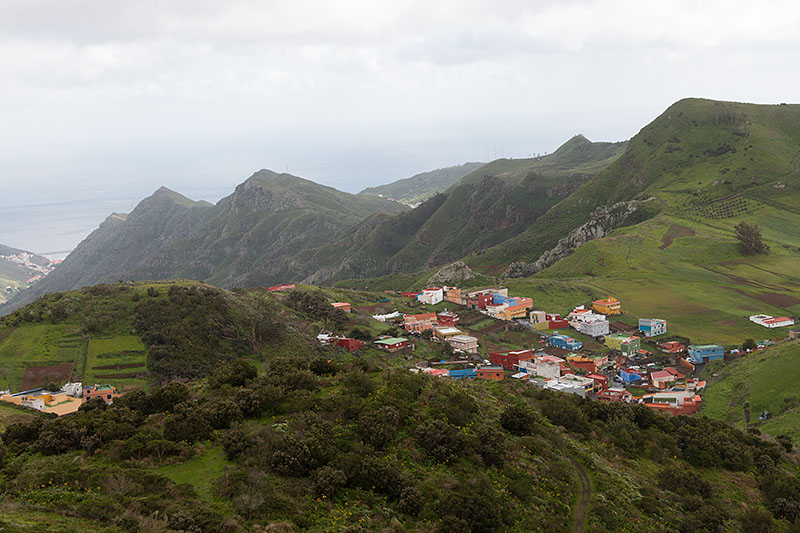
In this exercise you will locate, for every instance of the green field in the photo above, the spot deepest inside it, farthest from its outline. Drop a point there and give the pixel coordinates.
(768, 380)
(36, 345)
(700, 283)
(10, 413)
(200, 472)
(121, 350)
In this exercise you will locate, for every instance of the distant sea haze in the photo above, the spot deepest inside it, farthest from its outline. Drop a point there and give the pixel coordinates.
(53, 229)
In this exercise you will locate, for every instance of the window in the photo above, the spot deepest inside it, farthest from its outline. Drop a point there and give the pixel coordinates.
(108, 396)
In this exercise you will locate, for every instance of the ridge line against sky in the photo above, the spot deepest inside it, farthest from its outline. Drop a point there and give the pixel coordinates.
(112, 100)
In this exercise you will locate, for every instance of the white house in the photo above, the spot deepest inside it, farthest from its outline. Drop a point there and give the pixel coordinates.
(588, 323)
(431, 296)
(74, 389)
(771, 322)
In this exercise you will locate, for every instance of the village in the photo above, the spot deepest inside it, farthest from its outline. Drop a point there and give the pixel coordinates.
(596, 351)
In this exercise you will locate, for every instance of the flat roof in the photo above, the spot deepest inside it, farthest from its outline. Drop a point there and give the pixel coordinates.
(704, 346)
(391, 340)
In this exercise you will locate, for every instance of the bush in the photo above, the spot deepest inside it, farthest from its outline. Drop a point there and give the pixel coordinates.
(518, 420)
(442, 441)
(327, 481)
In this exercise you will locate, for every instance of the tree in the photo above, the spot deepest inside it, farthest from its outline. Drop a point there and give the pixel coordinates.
(749, 344)
(749, 237)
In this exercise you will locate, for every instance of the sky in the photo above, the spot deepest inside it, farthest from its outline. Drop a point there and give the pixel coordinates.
(104, 101)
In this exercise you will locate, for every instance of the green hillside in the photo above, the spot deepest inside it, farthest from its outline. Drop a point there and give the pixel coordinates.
(767, 380)
(701, 158)
(420, 187)
(269, 433)
(247, 238)
(491, 205)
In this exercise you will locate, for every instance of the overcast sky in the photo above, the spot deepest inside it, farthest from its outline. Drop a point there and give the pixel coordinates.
(110, 99)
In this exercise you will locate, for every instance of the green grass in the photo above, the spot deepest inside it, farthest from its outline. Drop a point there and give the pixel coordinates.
(36, 345)
(117, 350)
(200, 472)
(700, 284)
(10, 413)
(764, 379)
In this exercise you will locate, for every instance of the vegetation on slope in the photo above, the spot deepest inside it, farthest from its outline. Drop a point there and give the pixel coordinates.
(246, 239)
(319, 439)
(695, 158)
(490, 205)
(765, 380)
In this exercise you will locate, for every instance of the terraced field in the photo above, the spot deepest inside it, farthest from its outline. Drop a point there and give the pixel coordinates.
(119, 360)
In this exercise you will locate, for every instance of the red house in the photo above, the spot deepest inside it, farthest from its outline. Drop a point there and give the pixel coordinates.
(555, 321)
(480, 300)
(510, 360)
(600, 380)
(447, 318)
(351, 345)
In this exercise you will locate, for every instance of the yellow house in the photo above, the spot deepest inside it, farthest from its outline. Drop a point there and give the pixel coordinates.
(57, 403)
(609, 306)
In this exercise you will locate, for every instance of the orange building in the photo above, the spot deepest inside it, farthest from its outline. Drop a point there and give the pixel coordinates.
(106, 392)
(344, 306)
(608, 306)
(421, 322)
(493, 372)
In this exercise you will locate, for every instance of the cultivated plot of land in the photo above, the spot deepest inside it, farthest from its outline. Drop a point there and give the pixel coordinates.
(40, 345)
(120, 360)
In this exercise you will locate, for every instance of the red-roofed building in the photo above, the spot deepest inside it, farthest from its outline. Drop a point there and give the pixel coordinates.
(672, 347)
(344, 306)
(662, 379)
(421, 322)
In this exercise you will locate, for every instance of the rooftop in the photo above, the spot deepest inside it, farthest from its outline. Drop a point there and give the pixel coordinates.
(391, 340)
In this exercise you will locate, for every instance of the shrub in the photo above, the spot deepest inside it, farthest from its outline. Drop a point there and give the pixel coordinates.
(518, 420)
(327, 481)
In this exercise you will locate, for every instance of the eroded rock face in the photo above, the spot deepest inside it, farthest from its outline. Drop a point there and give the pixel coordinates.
(603, 221)
(452, 274)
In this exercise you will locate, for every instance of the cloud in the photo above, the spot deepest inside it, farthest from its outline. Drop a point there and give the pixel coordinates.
(90, 85)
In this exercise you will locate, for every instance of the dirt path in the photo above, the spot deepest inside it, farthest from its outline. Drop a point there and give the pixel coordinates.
(582, 503)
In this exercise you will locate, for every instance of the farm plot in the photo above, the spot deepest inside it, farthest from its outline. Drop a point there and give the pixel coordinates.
(38, 347)
(120, 360)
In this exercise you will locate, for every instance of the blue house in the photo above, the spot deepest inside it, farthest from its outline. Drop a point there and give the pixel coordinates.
(464, 373)
(703, 353)
(651, 327)
(630, 376)
(564, 342)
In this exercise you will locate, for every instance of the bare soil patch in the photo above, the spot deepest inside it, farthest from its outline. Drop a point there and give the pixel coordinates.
(779, 300)
(39, 376)
(122, 375)
(675, 232)
(119, 367)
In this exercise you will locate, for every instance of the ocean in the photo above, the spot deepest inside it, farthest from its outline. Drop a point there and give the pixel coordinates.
(53, 229)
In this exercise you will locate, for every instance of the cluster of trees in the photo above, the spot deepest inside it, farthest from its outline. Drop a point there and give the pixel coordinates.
(316, 305)
(195, 327)
(429, 452)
